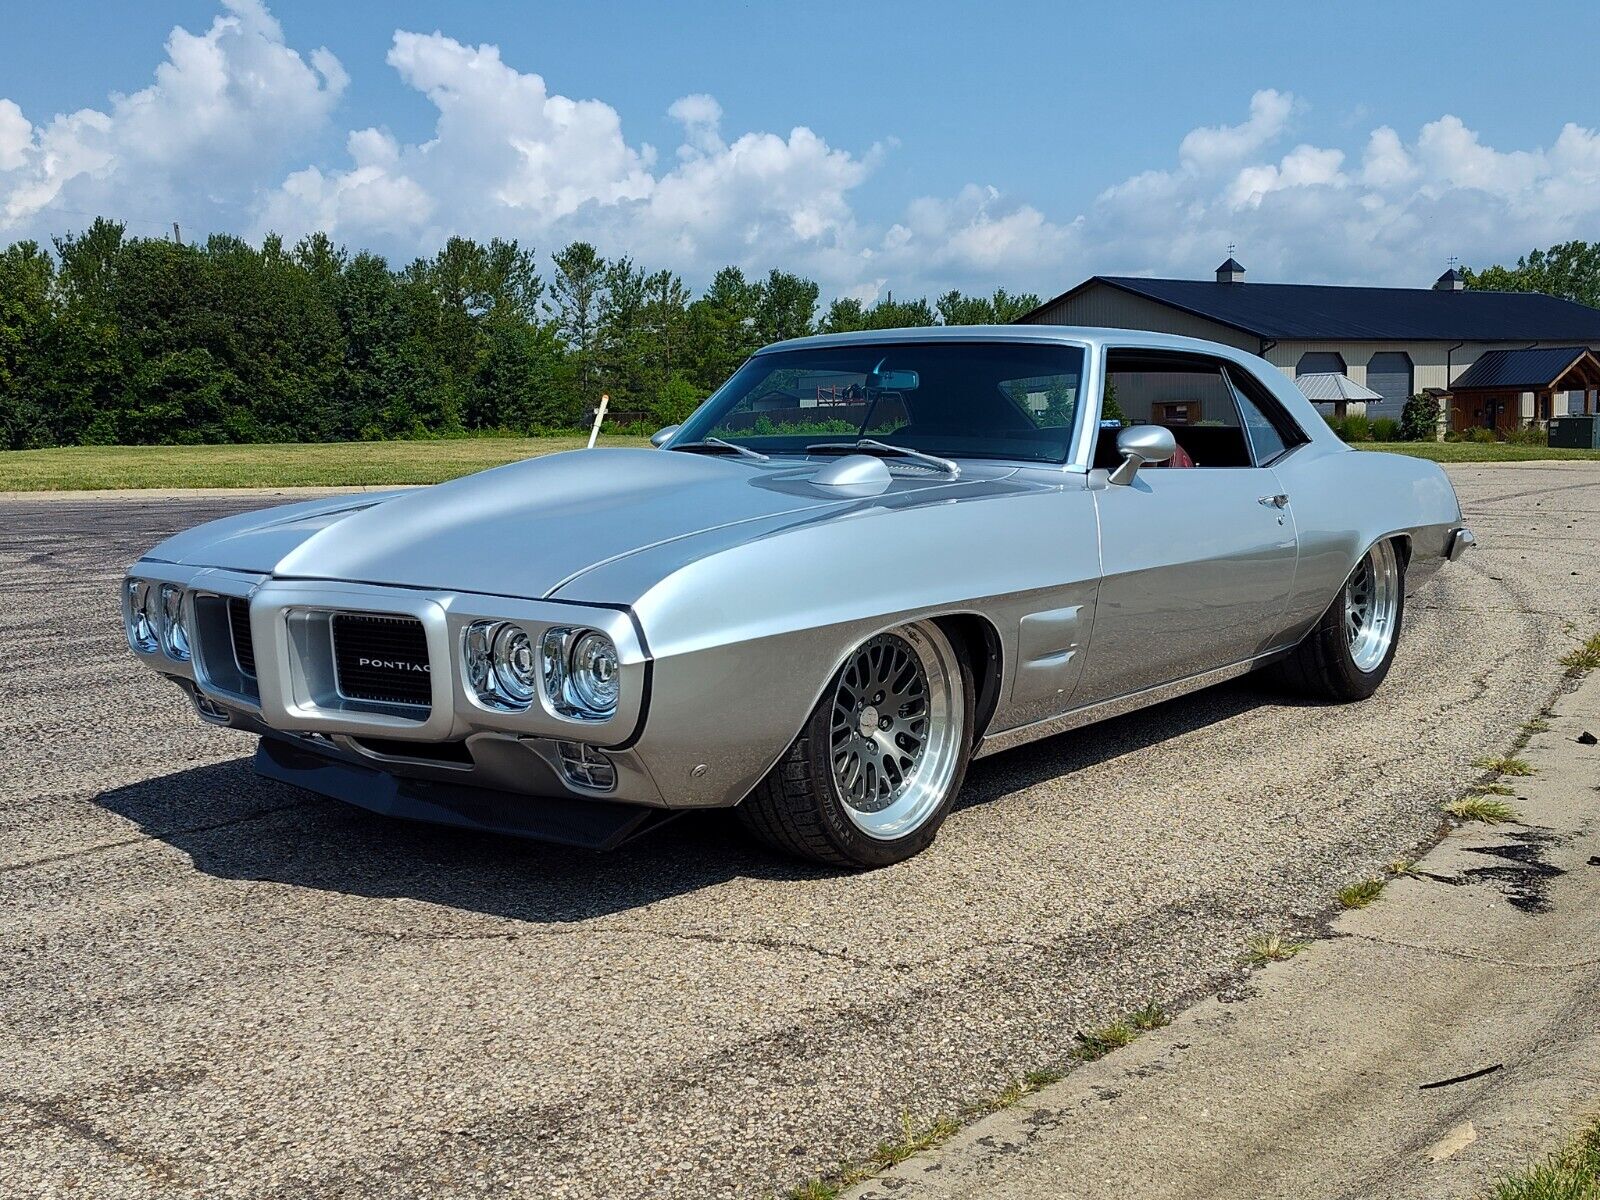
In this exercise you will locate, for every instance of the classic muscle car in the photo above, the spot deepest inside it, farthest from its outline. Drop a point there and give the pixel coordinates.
(864, 561)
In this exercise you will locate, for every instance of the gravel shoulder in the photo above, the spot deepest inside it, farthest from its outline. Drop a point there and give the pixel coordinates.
(216, 985)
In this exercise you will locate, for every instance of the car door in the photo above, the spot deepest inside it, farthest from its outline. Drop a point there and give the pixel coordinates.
(1197, 558)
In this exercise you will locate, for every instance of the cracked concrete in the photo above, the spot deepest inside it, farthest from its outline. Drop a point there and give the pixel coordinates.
(276, 996)
(1439, 1039)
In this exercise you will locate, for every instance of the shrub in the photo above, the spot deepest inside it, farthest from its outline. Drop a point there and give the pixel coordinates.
(1419, 420)
(1479, 434)
(1386, 429)
(1357, 429)
(1528, 437)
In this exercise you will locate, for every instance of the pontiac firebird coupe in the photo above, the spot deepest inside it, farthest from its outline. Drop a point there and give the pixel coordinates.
(866, 560)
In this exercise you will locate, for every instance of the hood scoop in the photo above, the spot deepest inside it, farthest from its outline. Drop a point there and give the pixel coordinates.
(854, 475)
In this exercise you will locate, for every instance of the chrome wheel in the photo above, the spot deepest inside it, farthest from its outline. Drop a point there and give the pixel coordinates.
(896, 728)
(1371, 606)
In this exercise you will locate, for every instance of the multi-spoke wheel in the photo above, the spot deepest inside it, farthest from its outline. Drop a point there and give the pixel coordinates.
(1347, 653)
(1372, 607)
(871, 777)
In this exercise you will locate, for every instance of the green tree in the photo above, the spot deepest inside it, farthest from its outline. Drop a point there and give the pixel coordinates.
(577, 294)
(786, 307)
(722, 325)
(1570, 270)
(27, 319)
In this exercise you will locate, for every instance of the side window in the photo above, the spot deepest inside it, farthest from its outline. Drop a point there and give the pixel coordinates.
(1272, 432)
(1188, 395)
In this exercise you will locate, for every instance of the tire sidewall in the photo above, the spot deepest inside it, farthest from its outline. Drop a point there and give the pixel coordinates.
(841, 830)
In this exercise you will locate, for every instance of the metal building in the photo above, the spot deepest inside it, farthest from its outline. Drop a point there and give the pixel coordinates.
(1395, 341)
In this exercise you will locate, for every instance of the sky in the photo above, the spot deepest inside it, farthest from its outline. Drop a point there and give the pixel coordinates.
(877, 146)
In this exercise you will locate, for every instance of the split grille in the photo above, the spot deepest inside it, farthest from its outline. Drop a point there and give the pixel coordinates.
(244, 649)
(382, 659)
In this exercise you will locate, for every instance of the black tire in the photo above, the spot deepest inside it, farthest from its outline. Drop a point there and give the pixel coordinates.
(1323, 666)
(798, 810)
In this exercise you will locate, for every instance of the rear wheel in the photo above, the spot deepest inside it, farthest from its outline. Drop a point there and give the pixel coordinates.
(873, 774)
(1348, 652)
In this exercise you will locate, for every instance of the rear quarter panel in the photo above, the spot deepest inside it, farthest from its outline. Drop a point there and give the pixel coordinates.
(1346, 500)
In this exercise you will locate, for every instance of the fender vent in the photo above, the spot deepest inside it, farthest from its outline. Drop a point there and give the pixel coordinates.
(383, 659)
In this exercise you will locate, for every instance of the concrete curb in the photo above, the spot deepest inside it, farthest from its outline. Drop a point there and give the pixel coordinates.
(1443, 1036)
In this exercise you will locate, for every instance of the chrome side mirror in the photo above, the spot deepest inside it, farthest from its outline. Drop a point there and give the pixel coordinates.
(1141, 444)
(661, 437)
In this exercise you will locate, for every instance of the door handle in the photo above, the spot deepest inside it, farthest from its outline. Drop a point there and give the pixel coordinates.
(1278, 501)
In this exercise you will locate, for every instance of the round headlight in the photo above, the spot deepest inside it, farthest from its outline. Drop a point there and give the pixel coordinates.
(593, 673)
(174, 631)
(513, 664)
(140, 616)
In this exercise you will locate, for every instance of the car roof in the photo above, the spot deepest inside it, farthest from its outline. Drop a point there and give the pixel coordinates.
(1066, 334)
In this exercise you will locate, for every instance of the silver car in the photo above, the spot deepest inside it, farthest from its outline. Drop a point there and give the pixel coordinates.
(863, 562)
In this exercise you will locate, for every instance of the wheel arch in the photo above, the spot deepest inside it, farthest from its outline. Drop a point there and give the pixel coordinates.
(978, 641)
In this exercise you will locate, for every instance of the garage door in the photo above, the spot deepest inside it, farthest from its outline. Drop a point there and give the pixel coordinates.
(1389, 374)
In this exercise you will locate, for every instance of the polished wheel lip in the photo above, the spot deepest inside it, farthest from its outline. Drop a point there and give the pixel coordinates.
(919, 730)
(1372, 607)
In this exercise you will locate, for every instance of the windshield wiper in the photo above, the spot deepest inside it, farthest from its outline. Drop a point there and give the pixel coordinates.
(717, 445)
(871, 446)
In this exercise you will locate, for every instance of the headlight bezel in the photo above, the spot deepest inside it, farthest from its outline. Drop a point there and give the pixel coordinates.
(140, 617)
(510, 667)
(177, 640)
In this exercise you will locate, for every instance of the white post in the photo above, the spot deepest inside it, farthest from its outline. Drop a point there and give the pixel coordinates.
(599, 415)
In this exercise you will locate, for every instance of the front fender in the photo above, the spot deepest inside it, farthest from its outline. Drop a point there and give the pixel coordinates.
(745, 641)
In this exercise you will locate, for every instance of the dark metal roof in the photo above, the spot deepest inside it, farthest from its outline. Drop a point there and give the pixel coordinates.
(1522, 370)
(1318, 312)
(1231, 265)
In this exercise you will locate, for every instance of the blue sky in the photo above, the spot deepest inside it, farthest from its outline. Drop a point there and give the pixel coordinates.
(950, 145)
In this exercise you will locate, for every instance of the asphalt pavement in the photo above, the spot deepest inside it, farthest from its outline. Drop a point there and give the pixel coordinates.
(214, 985)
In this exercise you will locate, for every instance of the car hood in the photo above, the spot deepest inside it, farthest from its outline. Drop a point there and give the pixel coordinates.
(524, 529)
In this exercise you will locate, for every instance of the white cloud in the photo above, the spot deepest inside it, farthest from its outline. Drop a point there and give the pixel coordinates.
(16, 136)
(223, 105)
(1222, 145)
(1304, 216)
(230, 134)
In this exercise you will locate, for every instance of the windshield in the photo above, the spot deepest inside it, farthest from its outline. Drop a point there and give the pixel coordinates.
(1014, 400)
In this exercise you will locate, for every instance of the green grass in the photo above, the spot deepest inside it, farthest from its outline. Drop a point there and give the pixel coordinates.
(1097, 1043)
(1488, 809)
(1569, 1174)
(1582, 658)
(1504, 766)
(1361, 893)
(1262, 948)
(1462, 452)
(382, 464)
(323, 464)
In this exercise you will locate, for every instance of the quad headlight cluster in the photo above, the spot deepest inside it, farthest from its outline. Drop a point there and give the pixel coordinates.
(576, 669)
(157, 619)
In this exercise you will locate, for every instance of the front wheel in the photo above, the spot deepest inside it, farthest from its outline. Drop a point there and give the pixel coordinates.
(875, 769)
(1348, 652)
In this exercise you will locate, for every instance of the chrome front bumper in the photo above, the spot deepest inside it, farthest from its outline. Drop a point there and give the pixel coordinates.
(1461, 540)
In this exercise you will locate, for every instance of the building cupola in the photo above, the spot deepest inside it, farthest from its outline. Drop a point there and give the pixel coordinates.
(1451, 281)
(1230, 271)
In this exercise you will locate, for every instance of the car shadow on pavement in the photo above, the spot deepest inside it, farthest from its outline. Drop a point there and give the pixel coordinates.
(235, 825)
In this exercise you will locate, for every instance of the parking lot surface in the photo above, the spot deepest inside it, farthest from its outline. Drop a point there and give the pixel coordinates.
(215, 985)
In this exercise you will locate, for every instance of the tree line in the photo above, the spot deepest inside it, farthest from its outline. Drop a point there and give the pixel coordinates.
(111, 339)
